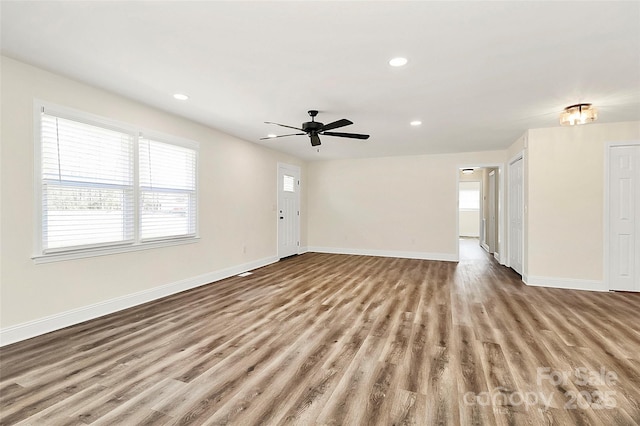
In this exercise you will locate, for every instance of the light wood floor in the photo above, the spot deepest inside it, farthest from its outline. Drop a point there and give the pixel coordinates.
(340, 340)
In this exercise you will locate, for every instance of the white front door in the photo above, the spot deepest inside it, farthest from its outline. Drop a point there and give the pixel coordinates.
(624, 218)
(288, 210)
(516, 214)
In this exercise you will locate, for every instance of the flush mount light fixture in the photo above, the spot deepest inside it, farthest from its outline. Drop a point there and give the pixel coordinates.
(416, 123)
(578, 114)
(180, 96)
(271, 135)
(398, 62)
(467, 171)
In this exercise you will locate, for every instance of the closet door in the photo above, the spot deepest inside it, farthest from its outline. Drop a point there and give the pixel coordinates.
(624, 218)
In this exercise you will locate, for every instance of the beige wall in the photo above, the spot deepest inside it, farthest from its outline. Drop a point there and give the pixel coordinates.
(469, 223)
(237, 204)
(565, 175)
(399, 205)
(391, 204)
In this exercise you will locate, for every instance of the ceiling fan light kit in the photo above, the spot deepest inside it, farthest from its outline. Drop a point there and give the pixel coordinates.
(578, 114)
(314, 129)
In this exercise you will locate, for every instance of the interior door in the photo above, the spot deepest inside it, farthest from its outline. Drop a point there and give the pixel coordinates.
(516, 214)
(624, 218)
(491, 227)
(288, 210)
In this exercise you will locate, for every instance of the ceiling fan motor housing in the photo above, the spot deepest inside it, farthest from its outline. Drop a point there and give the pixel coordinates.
(312, 126)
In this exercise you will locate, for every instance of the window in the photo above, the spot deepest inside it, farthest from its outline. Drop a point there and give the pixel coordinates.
(167, 190)
(469, 196)
(87, 184)
(289, 183)
(103, 186)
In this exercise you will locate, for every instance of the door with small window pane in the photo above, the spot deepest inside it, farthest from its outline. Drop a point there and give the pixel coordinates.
(288, 210)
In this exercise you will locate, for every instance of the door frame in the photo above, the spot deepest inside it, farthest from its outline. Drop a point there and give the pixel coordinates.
(606, 211)
(295, 169)
(492, 209)
(501, 258)
(518, 157)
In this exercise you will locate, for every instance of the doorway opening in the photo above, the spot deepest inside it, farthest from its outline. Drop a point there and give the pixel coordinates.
(479, 212)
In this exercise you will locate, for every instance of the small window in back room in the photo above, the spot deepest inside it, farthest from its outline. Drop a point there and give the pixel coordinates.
(469, 196)
(289, 184)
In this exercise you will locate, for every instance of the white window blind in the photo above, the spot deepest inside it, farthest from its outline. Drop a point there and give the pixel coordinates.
(87, 185)
(167, 190)
(289, 183)
(105, 188)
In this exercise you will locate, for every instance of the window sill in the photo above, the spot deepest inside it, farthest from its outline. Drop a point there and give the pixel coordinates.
(105, 251)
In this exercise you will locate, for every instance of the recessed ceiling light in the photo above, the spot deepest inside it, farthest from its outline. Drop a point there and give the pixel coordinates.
(416, 123)
(181, 97)
(271, 135)
(398, 62)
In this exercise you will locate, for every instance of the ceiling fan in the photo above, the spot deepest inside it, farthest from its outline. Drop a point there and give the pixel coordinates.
(314, 128)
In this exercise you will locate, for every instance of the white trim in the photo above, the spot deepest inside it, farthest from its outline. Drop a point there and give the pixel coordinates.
(457, 240)
(519, 156)
(104, 250)
(485, 246)
(61, 320)
(502, 206)
(447, 257)
(38, 109)
(84, 117)
(565, 283)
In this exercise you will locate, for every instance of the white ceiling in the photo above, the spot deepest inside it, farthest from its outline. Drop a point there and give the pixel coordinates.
(479, 73)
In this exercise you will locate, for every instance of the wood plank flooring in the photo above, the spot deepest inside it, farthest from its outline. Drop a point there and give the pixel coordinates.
(323, 339)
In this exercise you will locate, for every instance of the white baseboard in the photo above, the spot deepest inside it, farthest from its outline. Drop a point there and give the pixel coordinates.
(448, 257)
(484, 246)
(54, 322)
(565, 283)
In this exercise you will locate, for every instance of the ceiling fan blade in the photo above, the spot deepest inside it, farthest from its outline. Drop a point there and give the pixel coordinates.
(282, 125)
(282, 136)
(315, 140)
(346, 135)
(335, 125)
